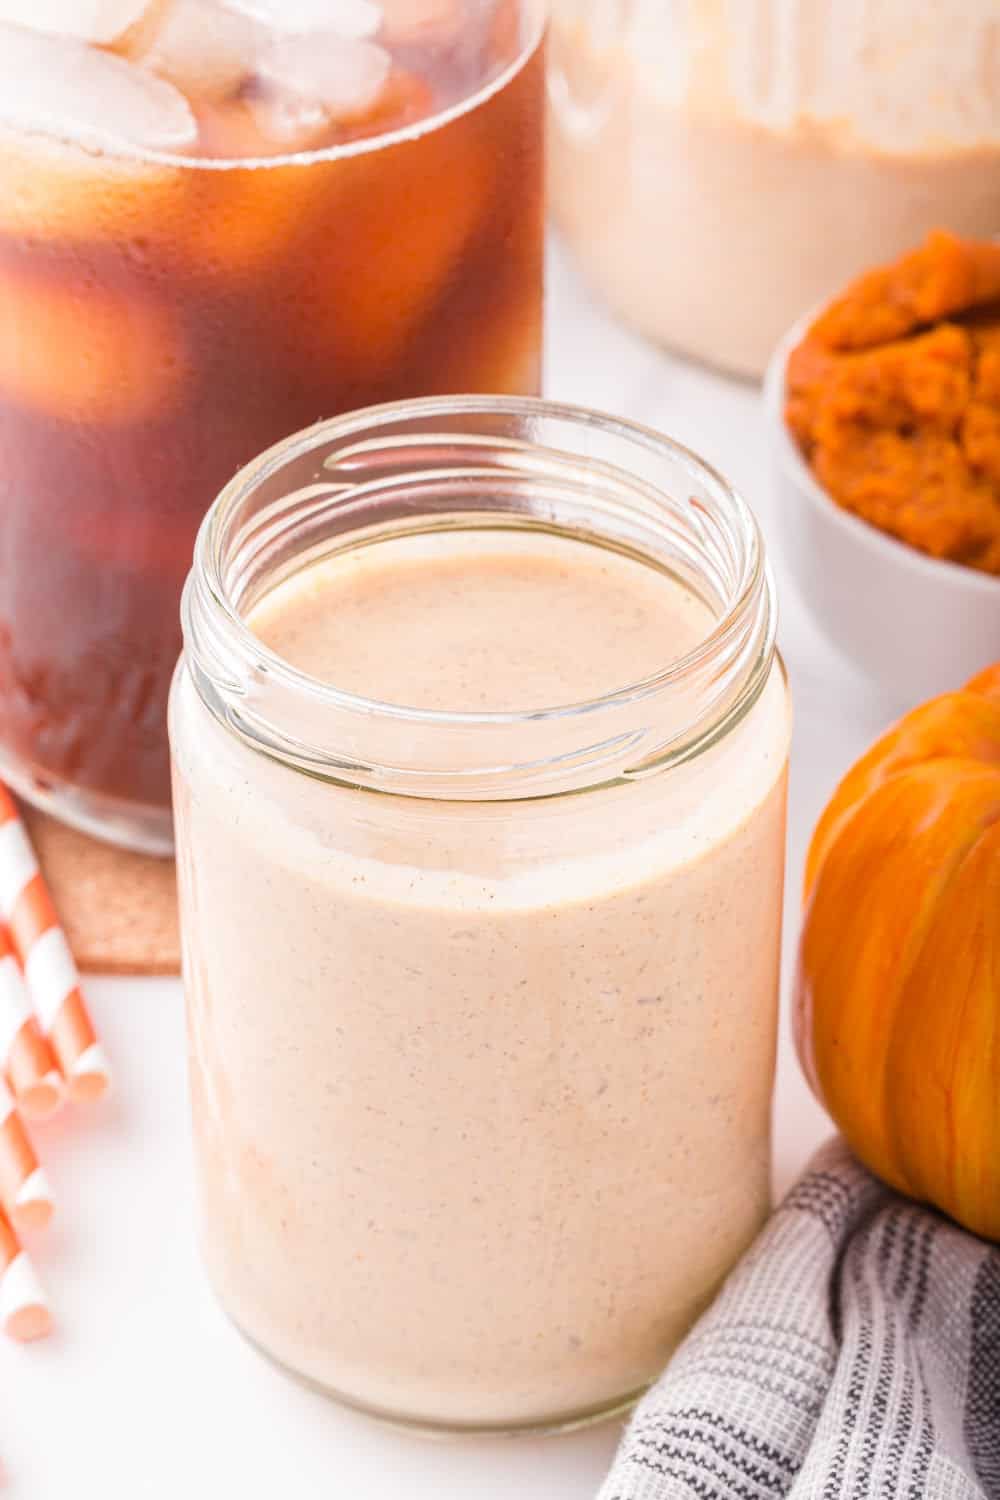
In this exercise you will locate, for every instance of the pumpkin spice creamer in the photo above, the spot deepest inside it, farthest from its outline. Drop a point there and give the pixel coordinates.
(479, 752)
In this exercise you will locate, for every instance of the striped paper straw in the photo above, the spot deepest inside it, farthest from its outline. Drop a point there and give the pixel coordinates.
(40, 944)
(25, 1055)
(24, 1187)
(24, 1307)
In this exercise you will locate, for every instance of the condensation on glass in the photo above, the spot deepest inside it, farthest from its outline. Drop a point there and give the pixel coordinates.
(221, 220)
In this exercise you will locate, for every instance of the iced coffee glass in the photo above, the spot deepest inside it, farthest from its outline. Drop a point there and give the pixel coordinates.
(221, 220)
(480, 743)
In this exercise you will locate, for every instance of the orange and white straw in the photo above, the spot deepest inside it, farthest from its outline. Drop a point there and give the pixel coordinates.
(24, 1307)
(24, 1188)
(25, 1055)
(49, 968)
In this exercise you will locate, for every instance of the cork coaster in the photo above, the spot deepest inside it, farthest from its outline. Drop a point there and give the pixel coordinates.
(119, 909)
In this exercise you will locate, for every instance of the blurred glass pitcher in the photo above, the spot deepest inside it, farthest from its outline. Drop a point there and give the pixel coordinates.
(719, 166)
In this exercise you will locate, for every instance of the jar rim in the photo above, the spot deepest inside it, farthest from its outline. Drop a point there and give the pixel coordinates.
(215, 628)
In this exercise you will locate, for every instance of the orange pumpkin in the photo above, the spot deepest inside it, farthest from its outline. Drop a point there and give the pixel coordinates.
(898, 989)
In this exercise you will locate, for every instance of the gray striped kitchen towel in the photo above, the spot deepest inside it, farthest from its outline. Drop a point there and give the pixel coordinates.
(855, 1351)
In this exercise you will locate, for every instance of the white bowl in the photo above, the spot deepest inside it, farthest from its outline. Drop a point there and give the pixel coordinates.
(915, 625)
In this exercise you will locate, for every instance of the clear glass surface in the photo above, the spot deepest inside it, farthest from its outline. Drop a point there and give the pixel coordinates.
(481, 1004)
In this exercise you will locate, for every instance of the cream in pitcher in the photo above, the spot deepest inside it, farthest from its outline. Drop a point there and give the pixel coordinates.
(479, 745)
(720, 166)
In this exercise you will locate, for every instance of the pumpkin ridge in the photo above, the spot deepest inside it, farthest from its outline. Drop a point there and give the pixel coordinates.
(897, 986)
(819, 987)
(923, 736)
(903, 1021)
(960, 1105)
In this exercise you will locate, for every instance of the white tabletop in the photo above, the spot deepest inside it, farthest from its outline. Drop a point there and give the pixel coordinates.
(145, 1390)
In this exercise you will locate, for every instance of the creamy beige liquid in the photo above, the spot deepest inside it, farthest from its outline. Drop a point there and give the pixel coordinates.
(525, 627)
(481, 1091)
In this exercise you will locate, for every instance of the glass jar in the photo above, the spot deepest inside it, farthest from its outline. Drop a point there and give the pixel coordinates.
(719, 166)
(481, 1003)
(221, 220)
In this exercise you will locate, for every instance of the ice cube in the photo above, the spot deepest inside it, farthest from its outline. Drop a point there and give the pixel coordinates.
(201, 48)
(67, 89)
(94, 358)
(359, 19)
(364, 295)
(101, 21)
(311, 82)
(408, 21)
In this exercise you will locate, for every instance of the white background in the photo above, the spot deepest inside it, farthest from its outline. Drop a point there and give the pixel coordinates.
(145, 1390)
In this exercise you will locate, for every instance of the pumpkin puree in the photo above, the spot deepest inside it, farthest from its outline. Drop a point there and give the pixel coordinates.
(894, 398)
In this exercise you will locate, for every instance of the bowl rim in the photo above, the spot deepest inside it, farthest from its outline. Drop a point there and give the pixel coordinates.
(939, 569)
